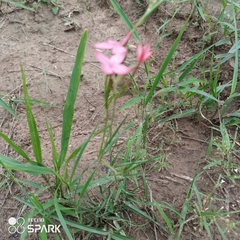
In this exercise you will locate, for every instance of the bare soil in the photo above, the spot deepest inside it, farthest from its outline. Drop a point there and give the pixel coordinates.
(46, 48)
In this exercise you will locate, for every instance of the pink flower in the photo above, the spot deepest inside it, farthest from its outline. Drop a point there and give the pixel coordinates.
(114, 45)
(143, 53)
(112, 65)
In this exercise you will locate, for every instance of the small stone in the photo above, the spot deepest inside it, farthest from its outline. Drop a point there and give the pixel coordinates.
(92, 109)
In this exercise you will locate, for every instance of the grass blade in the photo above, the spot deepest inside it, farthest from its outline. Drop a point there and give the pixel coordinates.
(36, 102)
(85, 188)
(15, 165)
(165, 217)
(131, 102)
(2, 103)
(17, 148)
(61, 219)
(36, 145)
(81, 151)
(153, 5)
(68, 111)
(164, 65)
(125, 19)
(143, 214)
(99, 182)
(92, 230)
(54, 149)
(182, 114)
(235, 72)
(19, 5)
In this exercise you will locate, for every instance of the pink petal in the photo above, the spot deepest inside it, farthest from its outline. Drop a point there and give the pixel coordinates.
(113, 43)
(121, 69)
(102, 58)
(146, 48)
(103, 45)
(118, 58)
(110, 44)
(139, 52)
(147, 56)
(143, 53)
(106, 68)
(125, 40)
(119, 49)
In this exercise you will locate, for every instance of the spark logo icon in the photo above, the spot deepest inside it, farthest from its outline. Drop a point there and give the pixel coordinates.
(16, 225)
(34, 225)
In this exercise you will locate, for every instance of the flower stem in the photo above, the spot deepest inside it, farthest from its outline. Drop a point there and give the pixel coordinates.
(106, 95)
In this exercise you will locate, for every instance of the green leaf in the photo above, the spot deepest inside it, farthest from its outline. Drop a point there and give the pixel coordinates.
(17, 148)
(153, 5)
(32, 184)
(40, 103)
(54, 150)
(131, 102)
(133, 208)
(235, 71)
(2, 103)
(221, 231)
(15, 165)
(17, 4)
(61, 219)
(55, 10)
(165, 217)
(116, 236)
(36, 145)
(186, 206)
(82, 227)
(200, 92)
(93, 230)
(81, 151)
(125, 19)
(68, 111)
(85, 187)
(184, 113)
(224, 3)
(165, 64)
(99, 182)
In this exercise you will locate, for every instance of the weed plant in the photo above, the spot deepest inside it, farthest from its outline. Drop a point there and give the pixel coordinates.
(35, 4)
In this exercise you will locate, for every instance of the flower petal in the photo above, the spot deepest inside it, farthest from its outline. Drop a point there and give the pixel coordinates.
(125, 40)
(102, 58)
(121, 69)
(139, 52)
(119, 50)
(106, 68)
(143, 53)
(146, 48)
(113, 43)
(102, 45)
(110, 44)
(147, 56)
(118, 58)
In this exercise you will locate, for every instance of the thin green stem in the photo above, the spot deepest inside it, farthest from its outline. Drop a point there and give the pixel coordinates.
(114, 107)
(106, 95)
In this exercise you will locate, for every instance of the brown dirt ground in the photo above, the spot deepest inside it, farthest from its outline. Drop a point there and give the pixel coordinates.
(40, 43)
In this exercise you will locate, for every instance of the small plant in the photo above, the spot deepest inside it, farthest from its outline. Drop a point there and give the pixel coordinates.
(67, 190)
(36, 4)
(55, 5)
(226, 153)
